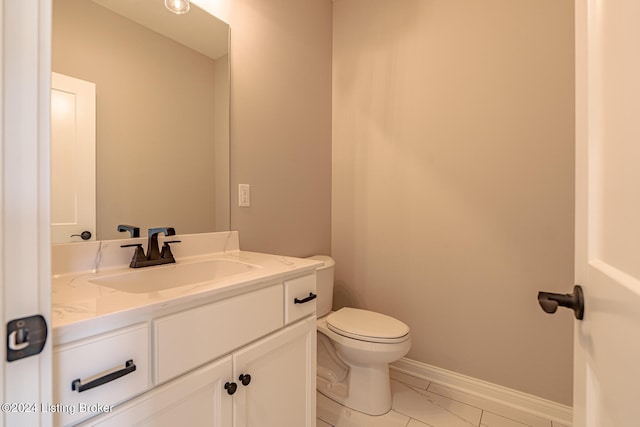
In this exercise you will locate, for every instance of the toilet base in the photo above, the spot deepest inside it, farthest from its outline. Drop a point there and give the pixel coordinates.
(367, 389)
(333, 390)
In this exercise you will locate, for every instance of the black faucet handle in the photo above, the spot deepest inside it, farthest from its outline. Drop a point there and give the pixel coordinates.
(138, 254)
(132, 229)
(166, 253)
(167, 231)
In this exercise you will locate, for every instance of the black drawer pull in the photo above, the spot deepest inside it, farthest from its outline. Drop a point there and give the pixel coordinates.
(76, 385)
(311, 296)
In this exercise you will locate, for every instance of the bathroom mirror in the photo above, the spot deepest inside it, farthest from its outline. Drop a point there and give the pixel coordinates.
(162, 111)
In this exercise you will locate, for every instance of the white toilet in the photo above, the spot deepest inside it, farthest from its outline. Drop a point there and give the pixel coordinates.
(355, 348)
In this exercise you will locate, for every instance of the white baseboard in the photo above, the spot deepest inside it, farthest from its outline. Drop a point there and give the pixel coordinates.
(516, 399)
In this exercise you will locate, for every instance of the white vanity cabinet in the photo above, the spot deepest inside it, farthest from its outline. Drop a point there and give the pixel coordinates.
(244, 361)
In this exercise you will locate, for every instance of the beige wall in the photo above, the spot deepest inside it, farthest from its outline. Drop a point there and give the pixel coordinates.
(281, 124)
(453, 179)
(155, 138)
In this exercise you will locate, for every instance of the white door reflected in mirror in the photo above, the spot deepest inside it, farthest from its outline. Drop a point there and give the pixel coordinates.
(73, 158)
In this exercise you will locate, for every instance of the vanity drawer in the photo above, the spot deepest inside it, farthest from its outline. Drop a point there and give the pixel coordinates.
(300, 298)
(92, 374)
(186, 340)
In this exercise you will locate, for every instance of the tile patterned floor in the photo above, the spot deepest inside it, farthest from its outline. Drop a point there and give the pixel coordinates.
(419, 403)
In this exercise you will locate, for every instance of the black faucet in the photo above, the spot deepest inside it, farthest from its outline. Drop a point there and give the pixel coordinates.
(132, 229)
(153, 252)
(154, 256)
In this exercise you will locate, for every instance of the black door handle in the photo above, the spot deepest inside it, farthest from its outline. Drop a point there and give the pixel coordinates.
(575, 301)
(85, 235)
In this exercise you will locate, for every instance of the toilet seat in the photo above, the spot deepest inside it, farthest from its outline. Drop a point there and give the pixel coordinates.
(367, 326)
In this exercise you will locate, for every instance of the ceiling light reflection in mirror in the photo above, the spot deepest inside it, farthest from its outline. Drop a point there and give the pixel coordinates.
(178, 7)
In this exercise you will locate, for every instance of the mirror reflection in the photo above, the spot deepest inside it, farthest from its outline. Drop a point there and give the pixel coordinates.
(161, 108)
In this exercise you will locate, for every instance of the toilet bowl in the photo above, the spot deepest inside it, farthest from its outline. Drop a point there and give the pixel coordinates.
(355, 348)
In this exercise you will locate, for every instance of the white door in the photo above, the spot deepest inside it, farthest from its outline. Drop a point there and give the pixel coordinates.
(607, 341)
(25, 272)
(73, 159)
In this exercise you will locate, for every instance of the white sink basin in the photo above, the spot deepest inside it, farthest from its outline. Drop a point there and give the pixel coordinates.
(151, 279)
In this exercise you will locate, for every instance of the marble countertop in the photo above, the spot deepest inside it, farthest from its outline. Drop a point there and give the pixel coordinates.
(81, 308)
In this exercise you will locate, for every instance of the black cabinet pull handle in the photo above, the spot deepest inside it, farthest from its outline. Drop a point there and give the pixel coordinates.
(231, 388)
(245, 378)
(311, 296)
(575, 301)
(76, 385)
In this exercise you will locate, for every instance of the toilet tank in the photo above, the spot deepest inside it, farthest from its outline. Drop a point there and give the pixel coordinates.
(324, 284)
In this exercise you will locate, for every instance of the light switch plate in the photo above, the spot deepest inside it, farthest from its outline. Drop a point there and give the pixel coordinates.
(244, 195)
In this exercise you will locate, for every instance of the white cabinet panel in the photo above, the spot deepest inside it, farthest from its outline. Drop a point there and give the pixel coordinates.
(282, 367)
(93, 358)
(186, 340)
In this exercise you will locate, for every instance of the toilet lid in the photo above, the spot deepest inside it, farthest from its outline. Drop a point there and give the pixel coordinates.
(367, 325)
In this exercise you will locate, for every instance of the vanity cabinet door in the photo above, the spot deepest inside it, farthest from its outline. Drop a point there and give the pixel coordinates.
(197, 399)
(280, 391)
